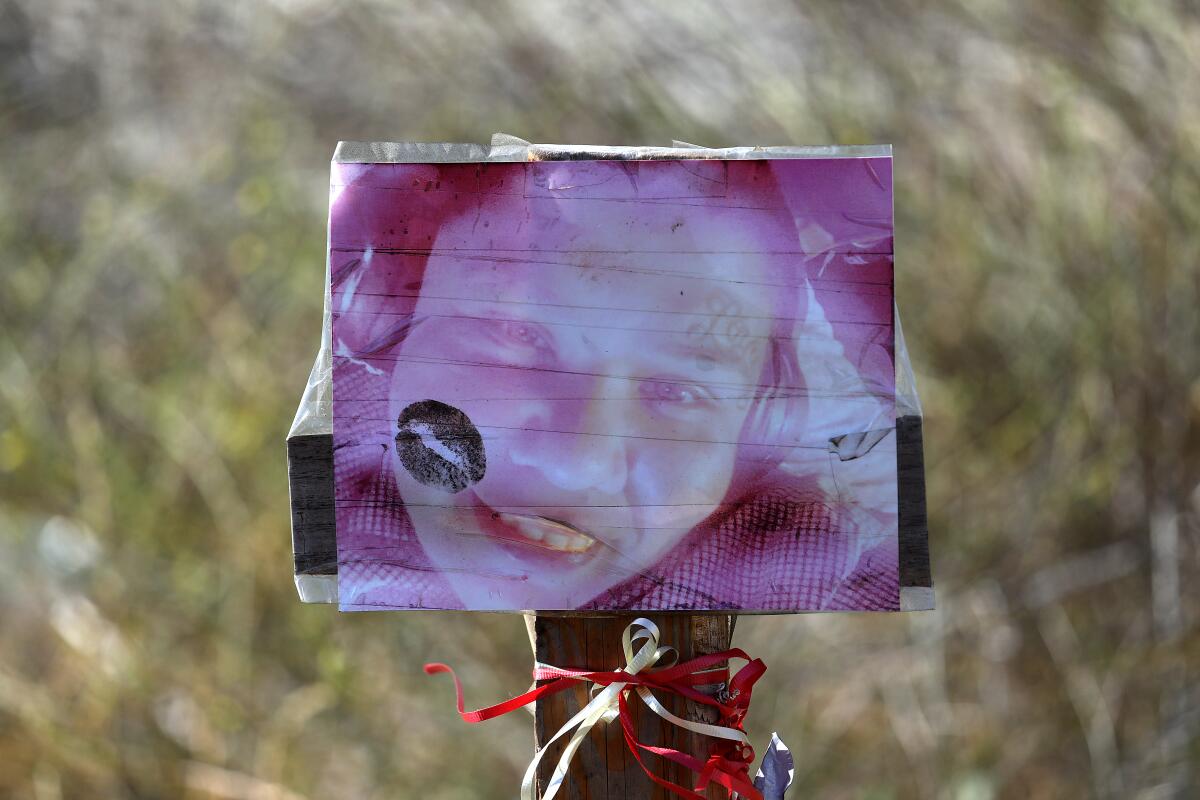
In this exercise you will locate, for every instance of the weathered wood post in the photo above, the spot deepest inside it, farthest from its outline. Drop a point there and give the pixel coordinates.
(603, 767)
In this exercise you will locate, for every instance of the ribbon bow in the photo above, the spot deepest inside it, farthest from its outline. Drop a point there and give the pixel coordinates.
(730, 756)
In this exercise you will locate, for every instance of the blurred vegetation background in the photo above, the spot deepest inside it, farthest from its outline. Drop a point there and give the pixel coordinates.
(163, 187)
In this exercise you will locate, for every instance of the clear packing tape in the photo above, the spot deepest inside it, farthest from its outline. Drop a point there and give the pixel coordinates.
(316, 562)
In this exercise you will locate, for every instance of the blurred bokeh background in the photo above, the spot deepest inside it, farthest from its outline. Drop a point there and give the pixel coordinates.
(163, 185)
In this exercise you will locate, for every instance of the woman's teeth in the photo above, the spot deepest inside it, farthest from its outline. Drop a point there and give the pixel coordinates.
(549, 534)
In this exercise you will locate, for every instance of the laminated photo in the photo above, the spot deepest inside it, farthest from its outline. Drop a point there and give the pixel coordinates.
(615, 385)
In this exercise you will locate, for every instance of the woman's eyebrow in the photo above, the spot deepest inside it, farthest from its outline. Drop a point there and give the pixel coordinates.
(708, 347)
(496, 314)
(490, 313)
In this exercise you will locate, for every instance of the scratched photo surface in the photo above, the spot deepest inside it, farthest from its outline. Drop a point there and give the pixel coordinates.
(615, 385)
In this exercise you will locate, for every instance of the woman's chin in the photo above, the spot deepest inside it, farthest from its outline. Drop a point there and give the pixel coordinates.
(489, 574)
(485, 576)
(537, 593)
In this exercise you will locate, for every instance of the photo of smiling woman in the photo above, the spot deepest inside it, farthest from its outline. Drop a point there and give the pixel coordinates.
(614, 385)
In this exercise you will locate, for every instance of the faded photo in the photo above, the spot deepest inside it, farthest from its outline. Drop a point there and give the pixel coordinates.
(615, 385)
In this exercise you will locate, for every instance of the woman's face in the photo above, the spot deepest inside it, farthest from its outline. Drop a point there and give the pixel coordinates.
(609, 392)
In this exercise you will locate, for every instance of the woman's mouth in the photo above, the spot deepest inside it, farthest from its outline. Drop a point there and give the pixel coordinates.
(534, 538)
(548, 533)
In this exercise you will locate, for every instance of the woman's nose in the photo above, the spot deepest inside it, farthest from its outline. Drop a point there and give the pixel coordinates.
(582, 444)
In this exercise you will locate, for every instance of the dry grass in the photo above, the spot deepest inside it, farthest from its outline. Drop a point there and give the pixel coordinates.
(162, 192)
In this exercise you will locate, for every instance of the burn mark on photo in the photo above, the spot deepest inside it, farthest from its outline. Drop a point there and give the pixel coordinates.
(440, 446)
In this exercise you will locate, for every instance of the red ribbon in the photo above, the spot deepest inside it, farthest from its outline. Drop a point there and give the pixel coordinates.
(728, 763)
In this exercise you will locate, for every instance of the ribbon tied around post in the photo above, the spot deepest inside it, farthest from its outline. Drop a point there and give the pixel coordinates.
(651, 666)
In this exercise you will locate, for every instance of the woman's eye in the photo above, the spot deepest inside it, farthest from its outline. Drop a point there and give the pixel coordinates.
(524, 334)
(676, 393)
(509, 341)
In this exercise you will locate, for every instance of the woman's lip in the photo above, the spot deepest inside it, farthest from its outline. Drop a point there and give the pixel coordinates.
(549, 533)
(533, 530)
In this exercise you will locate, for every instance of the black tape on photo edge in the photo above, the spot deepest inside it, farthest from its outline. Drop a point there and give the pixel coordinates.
(913, 523)
(310, 482)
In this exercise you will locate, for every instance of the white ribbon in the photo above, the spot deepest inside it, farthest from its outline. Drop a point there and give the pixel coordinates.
(604, 708)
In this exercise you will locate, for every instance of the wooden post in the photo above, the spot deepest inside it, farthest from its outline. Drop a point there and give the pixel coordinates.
(603, 769)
